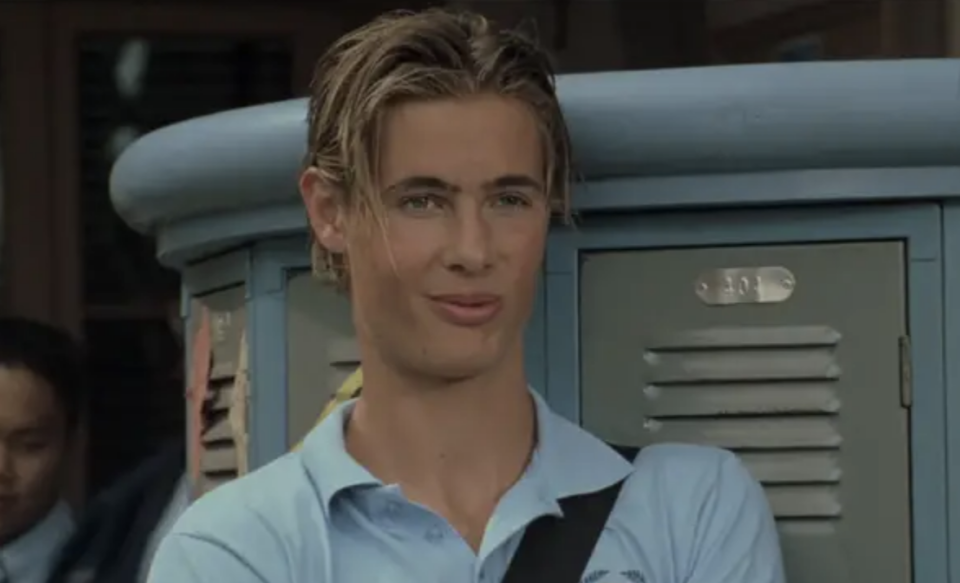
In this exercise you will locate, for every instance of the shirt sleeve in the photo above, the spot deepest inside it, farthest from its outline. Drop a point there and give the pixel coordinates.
(736, 538)
(184, 558)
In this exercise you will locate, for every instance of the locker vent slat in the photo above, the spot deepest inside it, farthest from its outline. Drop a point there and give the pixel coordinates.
(769, 394)
(220, 448)
(218, 458)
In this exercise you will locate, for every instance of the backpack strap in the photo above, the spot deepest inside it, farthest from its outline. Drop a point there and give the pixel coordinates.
(628, 452)
(557, 549)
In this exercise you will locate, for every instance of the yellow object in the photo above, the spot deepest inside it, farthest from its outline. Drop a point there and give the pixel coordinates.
(348, 390)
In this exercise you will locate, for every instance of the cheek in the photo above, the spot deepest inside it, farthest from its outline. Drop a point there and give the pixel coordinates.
(38, 470)
(388, 269)
(417, 241)
(523, 242)
(401, 253)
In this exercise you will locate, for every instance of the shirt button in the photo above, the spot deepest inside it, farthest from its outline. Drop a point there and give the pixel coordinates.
(391, 510)
(434, 535)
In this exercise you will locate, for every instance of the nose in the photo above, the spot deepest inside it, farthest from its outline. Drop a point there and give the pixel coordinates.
(470, 250)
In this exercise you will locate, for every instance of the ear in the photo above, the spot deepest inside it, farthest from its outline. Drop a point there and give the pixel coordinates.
(325, 210)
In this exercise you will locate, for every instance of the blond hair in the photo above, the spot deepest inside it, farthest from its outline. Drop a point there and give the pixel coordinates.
(433, 54)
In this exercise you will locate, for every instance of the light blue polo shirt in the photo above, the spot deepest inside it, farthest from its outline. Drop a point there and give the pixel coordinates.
(30, 558)
(686, 514)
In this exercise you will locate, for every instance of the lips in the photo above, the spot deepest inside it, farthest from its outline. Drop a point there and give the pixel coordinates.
(468, 310)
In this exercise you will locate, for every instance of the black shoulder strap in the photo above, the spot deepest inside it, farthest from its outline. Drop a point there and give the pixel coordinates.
(629, 452)
(557, 550)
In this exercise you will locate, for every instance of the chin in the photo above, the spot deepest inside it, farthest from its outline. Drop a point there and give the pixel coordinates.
(458, 371)
(459, 367)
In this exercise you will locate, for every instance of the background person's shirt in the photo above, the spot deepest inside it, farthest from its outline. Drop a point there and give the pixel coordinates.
(179, 502)
(686, 514)
(30, 557)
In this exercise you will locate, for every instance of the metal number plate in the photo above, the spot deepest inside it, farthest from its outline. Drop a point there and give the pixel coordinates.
(745, 285)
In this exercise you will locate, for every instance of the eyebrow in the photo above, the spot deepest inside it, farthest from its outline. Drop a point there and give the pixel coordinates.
(37, 430)
(514, 181)
(434, 183)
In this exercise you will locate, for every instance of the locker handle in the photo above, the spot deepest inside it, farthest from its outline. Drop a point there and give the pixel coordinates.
(906, 373)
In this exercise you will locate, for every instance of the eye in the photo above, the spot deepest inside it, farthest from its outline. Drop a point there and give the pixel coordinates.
(419, 203)
(512, 199)
(32, 445)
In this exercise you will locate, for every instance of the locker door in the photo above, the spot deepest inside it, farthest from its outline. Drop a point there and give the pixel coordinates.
(321, 350)
(787, 355)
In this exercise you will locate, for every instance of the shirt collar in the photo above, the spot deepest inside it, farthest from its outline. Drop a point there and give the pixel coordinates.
(31, 555)
(324, 455)
(571, 460)
(568, 460)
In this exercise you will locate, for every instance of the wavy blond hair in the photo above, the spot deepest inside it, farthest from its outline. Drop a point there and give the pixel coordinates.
(433, 54)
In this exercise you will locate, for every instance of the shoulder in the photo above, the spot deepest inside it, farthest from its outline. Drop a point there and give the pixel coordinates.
(271, 495)
(683, 477)
(673, 485)
(703, 507)
(257, 523)
(672, 460)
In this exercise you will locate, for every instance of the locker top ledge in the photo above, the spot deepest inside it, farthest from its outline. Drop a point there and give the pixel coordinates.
(695, 136)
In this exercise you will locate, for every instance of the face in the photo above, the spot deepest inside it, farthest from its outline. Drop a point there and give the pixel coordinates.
(32, 445)
(443, 285)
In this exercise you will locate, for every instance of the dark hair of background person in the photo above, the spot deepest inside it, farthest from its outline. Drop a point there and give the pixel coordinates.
(49, 353)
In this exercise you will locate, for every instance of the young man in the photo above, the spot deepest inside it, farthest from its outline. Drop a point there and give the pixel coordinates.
(437, 153)
(41, 396)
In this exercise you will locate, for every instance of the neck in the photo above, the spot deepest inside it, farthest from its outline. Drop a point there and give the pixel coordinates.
(454, 448)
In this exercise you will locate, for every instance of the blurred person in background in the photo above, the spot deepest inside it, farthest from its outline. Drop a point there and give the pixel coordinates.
(42, 396)
(121, 526)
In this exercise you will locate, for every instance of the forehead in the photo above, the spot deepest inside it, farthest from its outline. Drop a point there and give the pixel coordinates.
(26, 400)
(464, 141)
